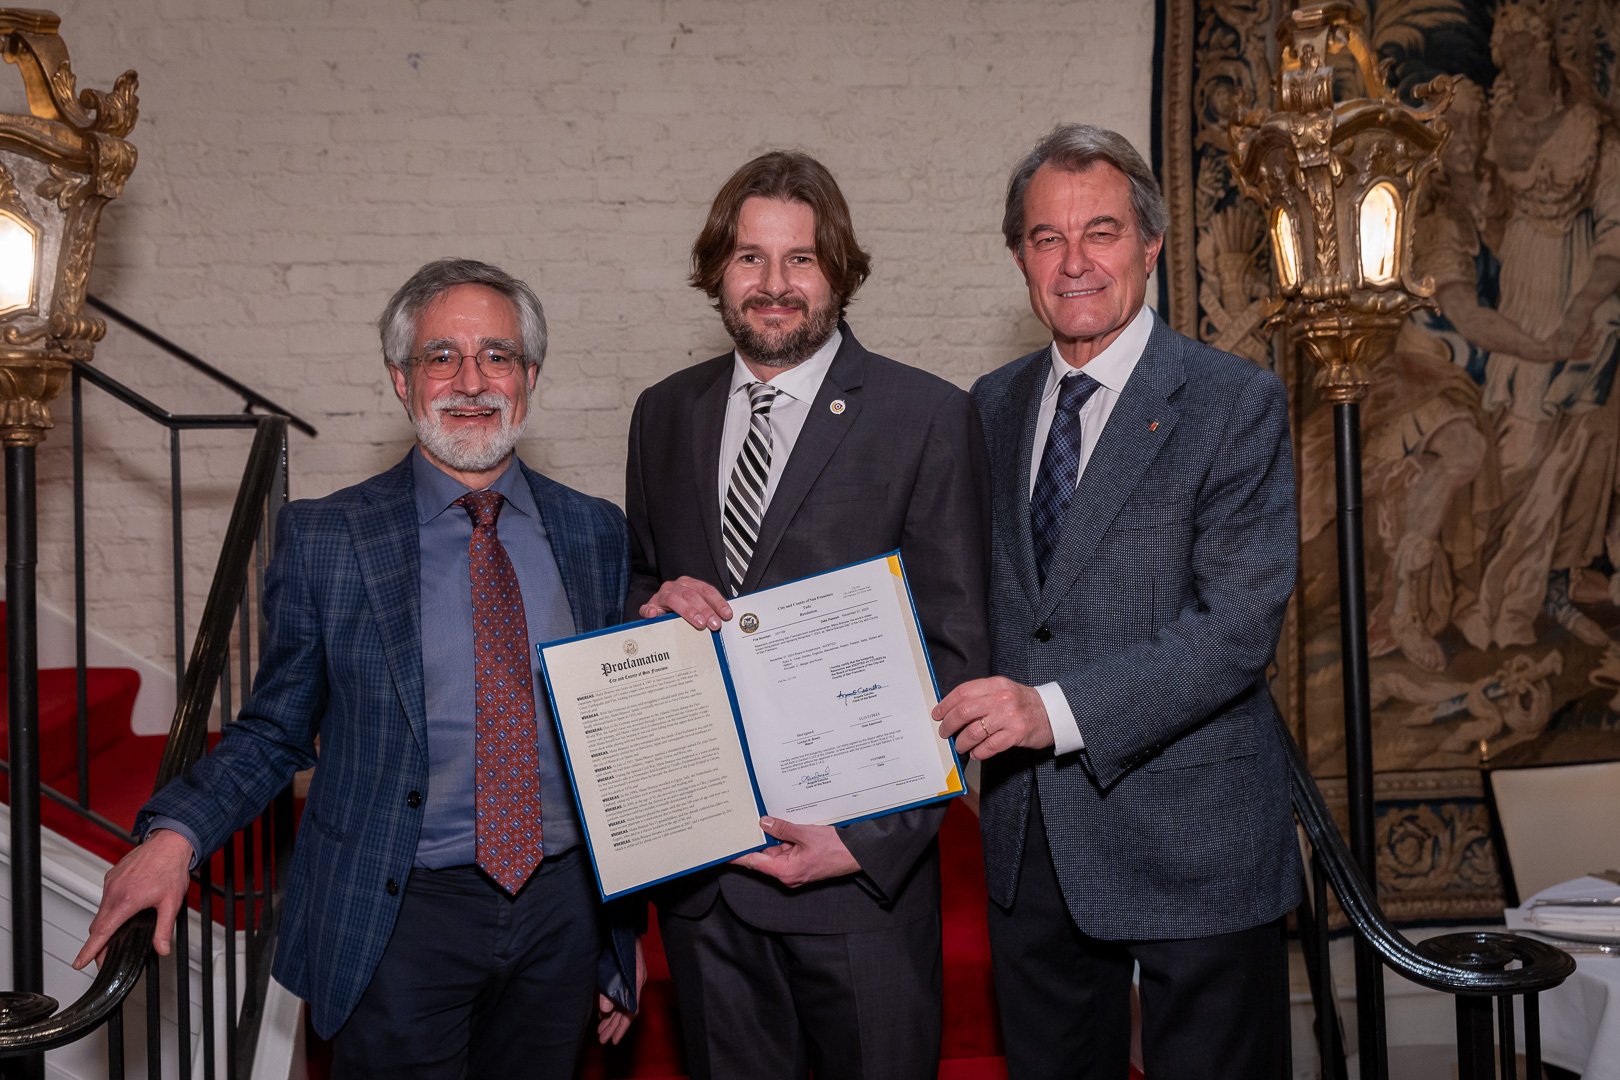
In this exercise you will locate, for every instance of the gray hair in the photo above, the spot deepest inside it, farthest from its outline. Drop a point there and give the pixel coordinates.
(398, 322)
(1074, 148)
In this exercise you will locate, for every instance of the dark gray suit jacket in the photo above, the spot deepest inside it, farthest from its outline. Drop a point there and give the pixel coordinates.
(902, 466)
(1159, 615)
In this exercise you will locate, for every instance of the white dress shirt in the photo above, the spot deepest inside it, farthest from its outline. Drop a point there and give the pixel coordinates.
(796, 389)
(1111, 368)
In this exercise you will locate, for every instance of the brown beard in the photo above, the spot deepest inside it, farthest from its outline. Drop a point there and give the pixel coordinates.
(780, 349)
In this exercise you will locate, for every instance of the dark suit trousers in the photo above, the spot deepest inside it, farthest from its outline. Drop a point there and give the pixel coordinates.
(756, 1005)
(1213, 1008)
(477, 983)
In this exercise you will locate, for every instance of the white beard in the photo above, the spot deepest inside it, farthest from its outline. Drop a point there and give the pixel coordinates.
(469, 450)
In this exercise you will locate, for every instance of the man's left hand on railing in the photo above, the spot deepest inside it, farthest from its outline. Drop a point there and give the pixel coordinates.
(155, 875)
(614, 1021)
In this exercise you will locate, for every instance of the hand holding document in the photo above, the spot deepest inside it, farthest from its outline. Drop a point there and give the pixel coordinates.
(811, 704)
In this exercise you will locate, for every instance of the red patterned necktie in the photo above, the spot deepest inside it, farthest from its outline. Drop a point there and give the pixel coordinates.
(506, 770)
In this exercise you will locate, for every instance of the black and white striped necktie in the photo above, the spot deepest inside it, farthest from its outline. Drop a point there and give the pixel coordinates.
(745, 495)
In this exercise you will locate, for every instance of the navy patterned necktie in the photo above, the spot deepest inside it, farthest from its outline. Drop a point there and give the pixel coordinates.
(506, 751)
(1060, 467)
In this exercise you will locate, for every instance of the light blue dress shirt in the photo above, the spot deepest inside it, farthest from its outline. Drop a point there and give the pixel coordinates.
(447, 658)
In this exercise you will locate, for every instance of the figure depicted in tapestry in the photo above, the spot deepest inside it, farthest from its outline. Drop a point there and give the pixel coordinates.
(1490, 439)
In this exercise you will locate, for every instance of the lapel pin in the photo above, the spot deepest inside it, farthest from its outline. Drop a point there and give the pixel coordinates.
(837, 406)
(1153, 426)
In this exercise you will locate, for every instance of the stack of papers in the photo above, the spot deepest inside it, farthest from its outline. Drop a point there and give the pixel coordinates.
(1566, 916)
(1585, 908)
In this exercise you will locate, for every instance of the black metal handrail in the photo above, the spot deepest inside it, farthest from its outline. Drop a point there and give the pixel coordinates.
(254, 859)
(143, 405)
(251, 398)
(128, 952)
(1475, 967)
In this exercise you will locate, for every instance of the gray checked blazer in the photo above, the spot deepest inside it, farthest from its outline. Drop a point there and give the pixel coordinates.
(1158, 617)
(343, 660)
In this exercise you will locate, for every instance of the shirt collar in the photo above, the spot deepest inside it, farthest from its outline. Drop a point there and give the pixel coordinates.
(801, 381)
(1113, 366)
(436, 490)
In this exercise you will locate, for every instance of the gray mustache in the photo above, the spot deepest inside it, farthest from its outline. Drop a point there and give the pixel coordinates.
(489, 399)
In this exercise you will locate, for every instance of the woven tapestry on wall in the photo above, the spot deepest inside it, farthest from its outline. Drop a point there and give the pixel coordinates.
(1491, 437)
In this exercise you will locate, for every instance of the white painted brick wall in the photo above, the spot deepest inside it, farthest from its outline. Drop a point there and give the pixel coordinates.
(299, 158)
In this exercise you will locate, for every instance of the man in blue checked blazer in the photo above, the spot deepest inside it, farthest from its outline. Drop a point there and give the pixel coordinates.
(430, 939)
(1135, 803)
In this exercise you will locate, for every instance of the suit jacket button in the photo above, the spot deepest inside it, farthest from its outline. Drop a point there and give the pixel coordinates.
(392, 887)
(413, 800)
(1042, 634)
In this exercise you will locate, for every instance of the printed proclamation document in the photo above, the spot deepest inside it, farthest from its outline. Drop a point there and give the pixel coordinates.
(811, 704)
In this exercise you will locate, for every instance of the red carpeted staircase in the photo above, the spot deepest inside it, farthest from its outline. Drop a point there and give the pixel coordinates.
(122, 764)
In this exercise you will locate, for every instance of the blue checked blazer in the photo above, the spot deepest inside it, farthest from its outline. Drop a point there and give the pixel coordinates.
(343, 661)
(1158, 617)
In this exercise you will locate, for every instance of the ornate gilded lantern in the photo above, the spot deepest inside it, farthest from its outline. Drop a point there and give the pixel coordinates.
(1338, 177)
(59, 166)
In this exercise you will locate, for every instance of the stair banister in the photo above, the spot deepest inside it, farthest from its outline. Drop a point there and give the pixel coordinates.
(128, 952)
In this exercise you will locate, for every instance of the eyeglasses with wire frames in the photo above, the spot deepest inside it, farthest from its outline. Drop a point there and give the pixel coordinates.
(442, 364)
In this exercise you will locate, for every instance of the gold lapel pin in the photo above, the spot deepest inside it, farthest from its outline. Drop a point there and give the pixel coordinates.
(837, 406)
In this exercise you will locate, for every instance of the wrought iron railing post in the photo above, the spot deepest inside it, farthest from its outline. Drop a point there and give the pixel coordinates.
(205, 878)
(177, 556)
(1508, 1066)
(1314, 942)
(1532, 1031)
(1476, 1057)
(182, 985)
(1358, 724)
(80, 618)
(22, 665)
(115, 1046)
(154, 1015)
(232, 898)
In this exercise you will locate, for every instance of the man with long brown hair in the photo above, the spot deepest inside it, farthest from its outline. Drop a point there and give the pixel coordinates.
(801, 452)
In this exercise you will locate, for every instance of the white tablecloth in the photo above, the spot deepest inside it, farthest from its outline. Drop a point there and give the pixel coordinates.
(1580, 1020)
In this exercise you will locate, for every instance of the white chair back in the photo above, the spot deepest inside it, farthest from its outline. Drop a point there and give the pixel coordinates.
(1554, 822)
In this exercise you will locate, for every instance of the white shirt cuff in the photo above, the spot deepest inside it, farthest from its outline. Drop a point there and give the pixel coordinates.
(1066, 737)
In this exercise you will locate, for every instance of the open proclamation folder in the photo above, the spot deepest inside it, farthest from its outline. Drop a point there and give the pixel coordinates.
(811, 704)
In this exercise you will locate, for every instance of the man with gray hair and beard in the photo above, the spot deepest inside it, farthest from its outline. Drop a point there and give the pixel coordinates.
(439, 917)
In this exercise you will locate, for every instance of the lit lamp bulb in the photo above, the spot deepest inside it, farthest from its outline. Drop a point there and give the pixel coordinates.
(1379, 228)
(1285, 248)
(19, 258)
